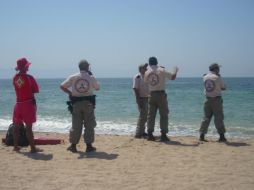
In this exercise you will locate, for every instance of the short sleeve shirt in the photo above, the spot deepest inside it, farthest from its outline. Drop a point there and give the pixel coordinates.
(81, 84)
(141, 86)
(213, 85)
(156, 77)
(25, 86)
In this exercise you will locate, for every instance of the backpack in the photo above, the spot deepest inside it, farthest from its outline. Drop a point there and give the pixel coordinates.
(23, 141)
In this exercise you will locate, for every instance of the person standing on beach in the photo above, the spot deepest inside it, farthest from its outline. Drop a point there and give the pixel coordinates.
(25, 108)
(213, 105)
(80, 88)
(141, 93)
(156, 77)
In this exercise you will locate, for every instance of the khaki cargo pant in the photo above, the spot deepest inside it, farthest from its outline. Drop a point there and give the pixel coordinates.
(158, 100)
(213, 107)
(83, 114)
(143, 109)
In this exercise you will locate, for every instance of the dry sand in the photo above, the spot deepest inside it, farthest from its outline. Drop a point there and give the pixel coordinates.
(122, 162)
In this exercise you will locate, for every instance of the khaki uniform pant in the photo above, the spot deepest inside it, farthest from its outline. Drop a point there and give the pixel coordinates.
(158, 100)
(213, 107)
(143, 109)
(83, 114)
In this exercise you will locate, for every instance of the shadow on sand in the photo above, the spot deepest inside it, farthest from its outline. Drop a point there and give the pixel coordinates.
(177, 143)
(38, 156)
(236, 144)
(171, 142)
(98, 155)
(229, 143)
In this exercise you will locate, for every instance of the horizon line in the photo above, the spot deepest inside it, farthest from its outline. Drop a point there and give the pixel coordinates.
(132, 77)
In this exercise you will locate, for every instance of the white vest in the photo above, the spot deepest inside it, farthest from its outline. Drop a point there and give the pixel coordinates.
(213, 85)
(156, 78)
(81, 84)
(140, 85)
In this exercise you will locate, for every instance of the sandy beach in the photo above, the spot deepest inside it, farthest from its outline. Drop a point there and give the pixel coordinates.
(122, 162)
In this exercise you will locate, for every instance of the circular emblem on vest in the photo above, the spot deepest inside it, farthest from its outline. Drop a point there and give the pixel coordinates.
(153, 79)
(82, 85)
(209, 85)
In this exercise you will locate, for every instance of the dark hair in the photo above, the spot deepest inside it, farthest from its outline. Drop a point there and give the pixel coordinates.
(83, 65)
(153, 61)
(214, 67)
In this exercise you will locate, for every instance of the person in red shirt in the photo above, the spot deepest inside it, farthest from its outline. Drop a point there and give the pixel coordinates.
(25, 108)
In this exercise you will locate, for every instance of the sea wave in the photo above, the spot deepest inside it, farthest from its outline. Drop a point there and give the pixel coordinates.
(51, 124)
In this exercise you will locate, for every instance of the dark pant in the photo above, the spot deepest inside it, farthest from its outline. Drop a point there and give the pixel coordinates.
(158, 100)
(213, 107)
(83, 114)
(143, 109)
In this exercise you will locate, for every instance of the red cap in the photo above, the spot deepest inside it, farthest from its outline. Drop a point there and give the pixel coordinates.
(22, 63)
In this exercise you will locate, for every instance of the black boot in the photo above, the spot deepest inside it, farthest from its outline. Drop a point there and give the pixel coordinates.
(90, 148)
(202, 137)
(144, 135)
(150, 137)
(138, 136)
(222, 138)
(164, 138)
(72, 148)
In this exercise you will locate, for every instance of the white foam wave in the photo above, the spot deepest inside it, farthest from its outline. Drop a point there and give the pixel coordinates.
(127, 128)
(4, 123)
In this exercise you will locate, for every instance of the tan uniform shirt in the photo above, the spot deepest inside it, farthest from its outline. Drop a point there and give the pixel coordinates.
(141, 86)
(156, 77)
(213, 85)
(81, 84)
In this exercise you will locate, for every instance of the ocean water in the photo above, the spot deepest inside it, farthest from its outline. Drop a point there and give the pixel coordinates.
(116, 110)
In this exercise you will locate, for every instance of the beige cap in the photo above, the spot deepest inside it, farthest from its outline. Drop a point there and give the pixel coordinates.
(142, 66)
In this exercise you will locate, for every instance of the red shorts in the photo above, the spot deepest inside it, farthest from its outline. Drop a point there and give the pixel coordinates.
(24, 112)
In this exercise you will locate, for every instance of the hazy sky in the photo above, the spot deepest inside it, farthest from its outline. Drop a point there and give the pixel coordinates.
(115, 36)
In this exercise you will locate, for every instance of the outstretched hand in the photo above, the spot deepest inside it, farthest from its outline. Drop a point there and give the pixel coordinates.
(175, 70)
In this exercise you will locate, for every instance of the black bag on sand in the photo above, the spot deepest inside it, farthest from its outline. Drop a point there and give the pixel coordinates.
(23, 141)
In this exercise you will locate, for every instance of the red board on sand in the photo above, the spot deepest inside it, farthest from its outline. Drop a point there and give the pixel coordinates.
(47, 141)
(44, 141)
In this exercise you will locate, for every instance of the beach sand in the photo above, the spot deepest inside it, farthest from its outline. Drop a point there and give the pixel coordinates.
(122, 162)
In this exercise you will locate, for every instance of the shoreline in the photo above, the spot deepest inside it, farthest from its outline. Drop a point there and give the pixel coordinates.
(212, 137)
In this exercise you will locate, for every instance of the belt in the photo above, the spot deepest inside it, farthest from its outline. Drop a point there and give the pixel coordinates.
(91, 98)
(158, 91)
(82, 98)
(216, 97)
(25, 101)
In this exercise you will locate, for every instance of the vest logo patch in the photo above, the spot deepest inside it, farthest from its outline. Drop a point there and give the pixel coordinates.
(209, 85)
(82, 85)
(19, 82)
(153, 79)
